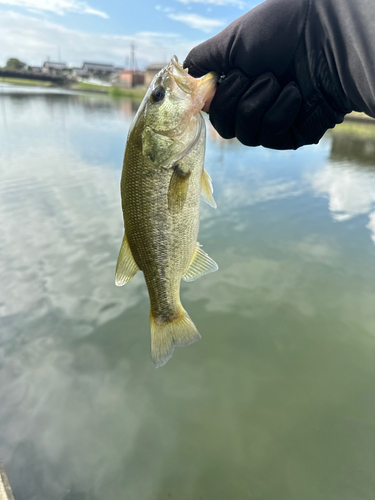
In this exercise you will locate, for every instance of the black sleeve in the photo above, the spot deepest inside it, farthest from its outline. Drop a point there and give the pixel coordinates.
(348, 28)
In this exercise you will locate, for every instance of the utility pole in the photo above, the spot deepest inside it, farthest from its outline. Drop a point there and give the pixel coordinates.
(133, 64)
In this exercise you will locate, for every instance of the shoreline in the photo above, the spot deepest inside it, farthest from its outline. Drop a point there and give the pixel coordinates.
(113, 91)
(354, 116)
(139, 93)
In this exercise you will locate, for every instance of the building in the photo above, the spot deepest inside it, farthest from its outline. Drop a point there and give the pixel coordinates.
(98, 70)
(131, 78)
(152, 70)
(79, 73)
(55, 68)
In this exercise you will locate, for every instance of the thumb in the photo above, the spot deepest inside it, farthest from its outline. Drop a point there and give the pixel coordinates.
(207, 56)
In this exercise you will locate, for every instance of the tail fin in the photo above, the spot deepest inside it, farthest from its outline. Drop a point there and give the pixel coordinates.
(165, 336)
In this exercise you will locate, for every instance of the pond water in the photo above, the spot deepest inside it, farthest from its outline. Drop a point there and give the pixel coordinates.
(276, 402)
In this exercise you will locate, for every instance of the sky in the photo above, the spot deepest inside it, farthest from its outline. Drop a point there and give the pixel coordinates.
(74, 31)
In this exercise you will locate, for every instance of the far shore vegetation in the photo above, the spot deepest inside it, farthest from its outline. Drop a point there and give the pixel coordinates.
(135, 92)
(25, 81)
(356, 124)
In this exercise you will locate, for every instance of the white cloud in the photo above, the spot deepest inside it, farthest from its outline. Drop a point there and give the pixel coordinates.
(351, 192)
(198, 22)
(31, 39)
(371, 225)
(235, 3)
(56, 6)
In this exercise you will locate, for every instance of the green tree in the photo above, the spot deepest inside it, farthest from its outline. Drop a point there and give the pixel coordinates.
(14, 63)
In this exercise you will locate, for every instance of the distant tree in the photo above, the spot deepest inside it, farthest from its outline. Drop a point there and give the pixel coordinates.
(14, 63)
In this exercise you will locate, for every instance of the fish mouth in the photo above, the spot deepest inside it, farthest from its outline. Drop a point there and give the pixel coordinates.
(203, 86)
(174, 64)
(180, 76)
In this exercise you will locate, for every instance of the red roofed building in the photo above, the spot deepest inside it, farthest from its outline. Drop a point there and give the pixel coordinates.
(131, 78)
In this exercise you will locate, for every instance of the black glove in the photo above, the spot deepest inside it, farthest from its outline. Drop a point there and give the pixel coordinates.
(281, 86)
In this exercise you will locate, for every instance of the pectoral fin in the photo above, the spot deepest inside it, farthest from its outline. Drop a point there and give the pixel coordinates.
(178, 188)
(126, 267)
(207, 189)
(200, 264)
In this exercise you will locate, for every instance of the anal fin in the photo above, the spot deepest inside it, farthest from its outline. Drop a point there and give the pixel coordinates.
(200, 265)
(207, 189)
(126, 267)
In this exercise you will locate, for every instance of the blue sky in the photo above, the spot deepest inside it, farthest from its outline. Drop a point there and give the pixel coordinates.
(102, 31)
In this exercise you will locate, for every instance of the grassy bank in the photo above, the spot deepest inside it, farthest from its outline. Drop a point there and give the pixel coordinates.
(90, 87)
(136, 93)
(24, 81)
(356, 124)
(133, 93)
(365, 130)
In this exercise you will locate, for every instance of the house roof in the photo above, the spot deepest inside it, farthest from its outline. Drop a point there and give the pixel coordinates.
(156, 66)
(98, 66)
(55, 65)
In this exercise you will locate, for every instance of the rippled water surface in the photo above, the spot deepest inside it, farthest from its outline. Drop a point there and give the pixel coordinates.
(276, 402)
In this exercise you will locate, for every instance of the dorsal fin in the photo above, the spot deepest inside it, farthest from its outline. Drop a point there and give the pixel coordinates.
(200, 265)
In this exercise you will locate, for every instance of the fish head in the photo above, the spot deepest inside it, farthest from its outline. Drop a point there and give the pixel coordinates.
(168, 109)
(176, 97)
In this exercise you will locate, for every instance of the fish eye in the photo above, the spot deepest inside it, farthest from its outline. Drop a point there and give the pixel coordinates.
(157, 94)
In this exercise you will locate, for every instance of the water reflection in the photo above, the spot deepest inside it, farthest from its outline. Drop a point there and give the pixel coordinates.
(276, 401)
(348, 178)
(354, 148)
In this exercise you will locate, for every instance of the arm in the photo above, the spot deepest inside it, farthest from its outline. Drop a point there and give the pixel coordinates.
(293, 69)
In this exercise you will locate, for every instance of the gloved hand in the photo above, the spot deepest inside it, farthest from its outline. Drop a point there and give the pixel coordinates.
(281, 87)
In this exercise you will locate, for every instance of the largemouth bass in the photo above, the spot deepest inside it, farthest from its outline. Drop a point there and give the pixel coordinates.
(162, 180)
